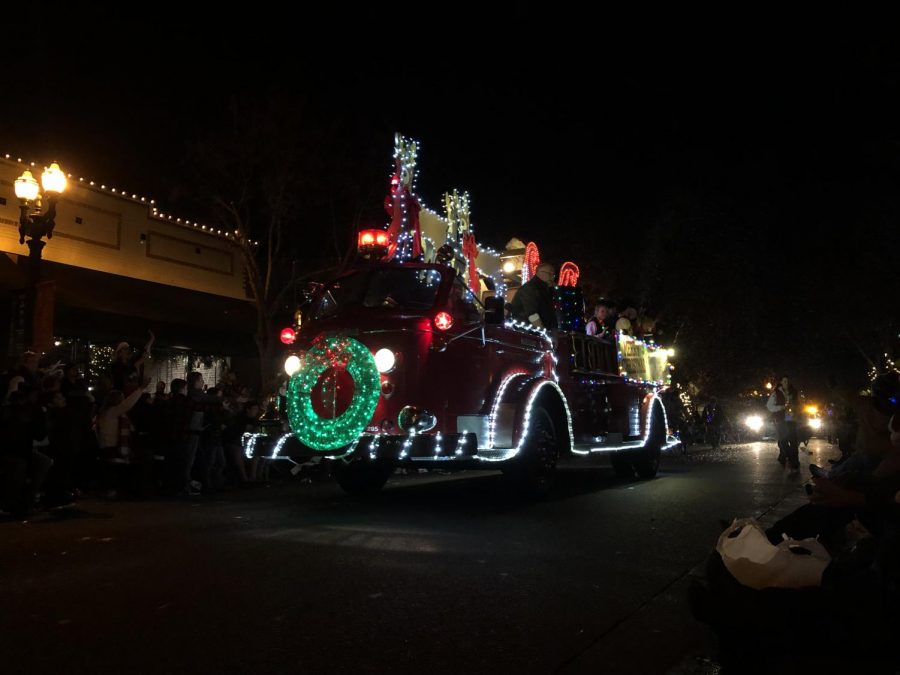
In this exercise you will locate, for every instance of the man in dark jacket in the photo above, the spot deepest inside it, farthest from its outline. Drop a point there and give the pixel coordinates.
(533, 303)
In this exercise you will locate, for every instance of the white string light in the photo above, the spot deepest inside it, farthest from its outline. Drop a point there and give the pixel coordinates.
(495, 408)
(404, 451)
(437, 444)
(521, 325)
(250, 444)
(280, 444)
(526, 422)
(373, 446)
(121, 194)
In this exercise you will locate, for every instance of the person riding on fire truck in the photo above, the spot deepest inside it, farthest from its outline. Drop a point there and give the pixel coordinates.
(533, 303)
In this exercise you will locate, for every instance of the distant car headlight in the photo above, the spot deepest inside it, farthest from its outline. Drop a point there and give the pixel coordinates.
(385, 360)
(754, 422)
(815, 423)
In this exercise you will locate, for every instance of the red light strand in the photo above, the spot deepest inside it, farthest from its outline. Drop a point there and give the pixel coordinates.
(532, 260)
(568, 274)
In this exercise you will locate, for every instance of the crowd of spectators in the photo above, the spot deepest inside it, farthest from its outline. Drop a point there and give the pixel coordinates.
(62, 436)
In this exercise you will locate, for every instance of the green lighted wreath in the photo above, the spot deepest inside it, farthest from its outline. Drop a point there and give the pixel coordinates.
(321, 433)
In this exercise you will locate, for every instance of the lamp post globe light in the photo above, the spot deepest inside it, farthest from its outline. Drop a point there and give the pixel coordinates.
(32, 223)
(35, 225)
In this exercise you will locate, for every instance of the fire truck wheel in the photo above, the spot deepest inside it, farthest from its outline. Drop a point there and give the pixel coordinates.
(622, 465)
(647, 462)
(531, 473)
(361, 477)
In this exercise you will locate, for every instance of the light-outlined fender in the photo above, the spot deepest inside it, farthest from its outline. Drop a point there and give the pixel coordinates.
(502, 413)
(547, 393)
(651, 401)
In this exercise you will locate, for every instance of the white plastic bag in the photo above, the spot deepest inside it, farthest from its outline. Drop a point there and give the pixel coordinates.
(756, 563)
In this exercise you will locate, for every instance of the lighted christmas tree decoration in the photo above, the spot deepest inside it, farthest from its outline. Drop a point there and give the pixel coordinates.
(458, 228)
(328, 358)
(428, 249)
(451, 209)
(569, 305)
(532, 260)
(402, 205)
(568, 274)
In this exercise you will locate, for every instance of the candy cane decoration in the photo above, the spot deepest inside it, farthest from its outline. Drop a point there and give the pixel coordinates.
(470, 250)
(532, 260)
(568, 274)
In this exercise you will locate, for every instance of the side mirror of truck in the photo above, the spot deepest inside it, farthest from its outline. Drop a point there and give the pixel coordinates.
(494, 309)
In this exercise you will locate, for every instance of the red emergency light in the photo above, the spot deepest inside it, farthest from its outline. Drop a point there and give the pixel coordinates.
(368, 239)
(443, 320)
(288, 335)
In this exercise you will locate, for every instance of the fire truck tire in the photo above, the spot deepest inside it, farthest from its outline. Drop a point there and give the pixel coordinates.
(646, 463)
(532, 472)
(622, 465)
(361, 477)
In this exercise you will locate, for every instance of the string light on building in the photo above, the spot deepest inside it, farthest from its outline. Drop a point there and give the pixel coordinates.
(133, 197)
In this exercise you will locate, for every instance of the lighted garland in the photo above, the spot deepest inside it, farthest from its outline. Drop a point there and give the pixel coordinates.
(321, 433)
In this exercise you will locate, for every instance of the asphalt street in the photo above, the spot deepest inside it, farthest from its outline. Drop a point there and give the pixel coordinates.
(439, 573)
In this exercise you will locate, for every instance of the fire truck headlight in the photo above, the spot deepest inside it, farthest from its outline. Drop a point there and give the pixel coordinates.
(815, 423)
(385, 360)
(292, 365)
(754, 422)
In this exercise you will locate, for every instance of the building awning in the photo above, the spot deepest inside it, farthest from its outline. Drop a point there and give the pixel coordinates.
(108, 308)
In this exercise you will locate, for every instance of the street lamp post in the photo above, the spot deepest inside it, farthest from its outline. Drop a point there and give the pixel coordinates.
(36, 225)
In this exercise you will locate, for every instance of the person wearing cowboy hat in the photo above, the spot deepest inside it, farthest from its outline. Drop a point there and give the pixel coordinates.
(126, 365)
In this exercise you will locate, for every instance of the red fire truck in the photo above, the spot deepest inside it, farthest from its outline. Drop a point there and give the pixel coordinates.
(397, 363)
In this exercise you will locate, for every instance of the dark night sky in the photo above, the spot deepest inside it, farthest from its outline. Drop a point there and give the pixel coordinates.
(770, 149)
